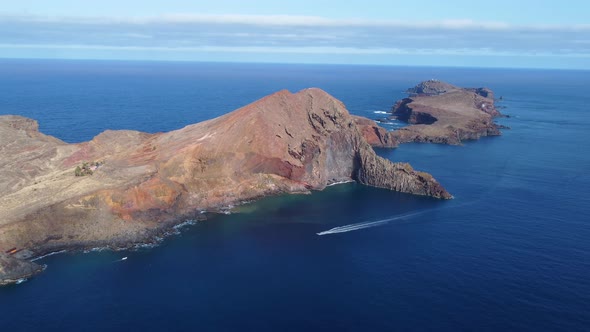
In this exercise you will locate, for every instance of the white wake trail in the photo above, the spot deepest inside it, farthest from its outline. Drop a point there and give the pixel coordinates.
(368, 224)
(352, 227)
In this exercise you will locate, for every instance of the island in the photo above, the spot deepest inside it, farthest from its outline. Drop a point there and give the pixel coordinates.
(127, 187)
(439, 112)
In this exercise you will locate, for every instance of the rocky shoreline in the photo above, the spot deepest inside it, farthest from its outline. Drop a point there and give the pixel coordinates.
(127, 187)
(14, 270)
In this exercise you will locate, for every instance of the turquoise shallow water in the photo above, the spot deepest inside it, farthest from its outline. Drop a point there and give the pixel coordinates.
(510, 252)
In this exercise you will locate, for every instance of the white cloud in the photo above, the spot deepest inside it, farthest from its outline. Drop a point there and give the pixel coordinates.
(292, 34)
(290, 21)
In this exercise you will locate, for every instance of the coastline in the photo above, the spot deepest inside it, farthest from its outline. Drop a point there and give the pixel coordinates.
(125, 187)
(152, 238)
(151, 241)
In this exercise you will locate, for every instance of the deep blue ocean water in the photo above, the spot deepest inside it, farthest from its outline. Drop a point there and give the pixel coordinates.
(511, 252)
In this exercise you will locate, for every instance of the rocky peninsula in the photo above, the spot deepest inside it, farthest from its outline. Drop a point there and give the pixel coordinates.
(125, 187)
(440, 112)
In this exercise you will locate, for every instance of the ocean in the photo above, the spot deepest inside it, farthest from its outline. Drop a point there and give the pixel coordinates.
(511, 252)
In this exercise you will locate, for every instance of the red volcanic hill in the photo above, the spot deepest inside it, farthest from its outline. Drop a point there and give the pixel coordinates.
(133, 185)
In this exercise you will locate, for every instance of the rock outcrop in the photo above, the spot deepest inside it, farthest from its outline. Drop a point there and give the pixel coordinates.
(374, 134)
(13, 270)
(443, 113)
(143, 183)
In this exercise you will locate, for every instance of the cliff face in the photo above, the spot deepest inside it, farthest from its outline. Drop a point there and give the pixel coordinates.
(379, 172)
(443, 113)
(141, 183)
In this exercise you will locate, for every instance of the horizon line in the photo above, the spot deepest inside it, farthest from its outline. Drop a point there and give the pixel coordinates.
(291, 63)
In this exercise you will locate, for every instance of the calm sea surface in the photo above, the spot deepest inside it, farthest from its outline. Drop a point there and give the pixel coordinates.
(510, 253)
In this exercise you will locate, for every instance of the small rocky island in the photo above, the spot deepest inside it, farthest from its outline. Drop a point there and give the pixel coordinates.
(443, 113)
(146, 183)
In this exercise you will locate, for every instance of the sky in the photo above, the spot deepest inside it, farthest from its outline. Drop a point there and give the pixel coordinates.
(500, 33)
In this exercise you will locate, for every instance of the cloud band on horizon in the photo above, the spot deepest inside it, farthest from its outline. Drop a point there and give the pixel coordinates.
(291, 35)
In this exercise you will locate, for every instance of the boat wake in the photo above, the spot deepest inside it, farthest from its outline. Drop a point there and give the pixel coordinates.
(368, 224)
(353, 227)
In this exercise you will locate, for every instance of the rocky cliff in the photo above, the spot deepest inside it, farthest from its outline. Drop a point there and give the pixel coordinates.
(443, 113)
(132, 184)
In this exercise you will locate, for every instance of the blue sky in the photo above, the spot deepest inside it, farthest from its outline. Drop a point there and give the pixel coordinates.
(497, 33)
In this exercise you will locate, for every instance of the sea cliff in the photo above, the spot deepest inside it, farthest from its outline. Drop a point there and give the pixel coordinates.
(123, 187)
